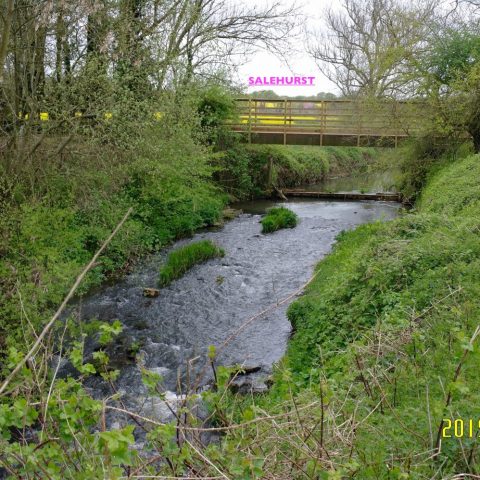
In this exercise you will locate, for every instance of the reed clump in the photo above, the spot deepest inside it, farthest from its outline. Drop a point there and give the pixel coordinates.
(277, 218)
(184, 258)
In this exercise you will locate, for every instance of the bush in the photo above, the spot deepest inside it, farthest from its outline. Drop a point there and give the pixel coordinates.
(277, 218)
(422, 157)
(184, 258)
(216, 106)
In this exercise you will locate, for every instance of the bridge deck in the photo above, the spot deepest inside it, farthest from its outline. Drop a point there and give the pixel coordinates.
(282, 121)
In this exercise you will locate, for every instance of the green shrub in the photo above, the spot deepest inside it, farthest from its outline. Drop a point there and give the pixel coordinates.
(421, 158)
(277, 218)
(216, 106)
(184, 258)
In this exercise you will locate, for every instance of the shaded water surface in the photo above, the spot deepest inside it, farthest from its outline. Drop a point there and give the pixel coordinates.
(214, 299)
(370, 182)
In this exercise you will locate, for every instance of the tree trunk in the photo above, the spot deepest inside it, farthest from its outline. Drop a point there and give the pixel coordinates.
(473, 125)
(60, 37)
(5, 39)
(97, 30)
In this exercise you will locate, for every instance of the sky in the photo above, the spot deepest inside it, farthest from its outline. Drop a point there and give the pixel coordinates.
(265, 64)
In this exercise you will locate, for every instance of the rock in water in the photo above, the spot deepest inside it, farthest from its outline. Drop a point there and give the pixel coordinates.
(151, 292)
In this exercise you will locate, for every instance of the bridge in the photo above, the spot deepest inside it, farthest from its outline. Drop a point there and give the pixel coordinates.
(327, 122)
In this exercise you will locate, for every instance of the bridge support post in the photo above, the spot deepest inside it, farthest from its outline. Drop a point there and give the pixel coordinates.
(249, 120)
(285, 122)
(256, 113)
(323, 121)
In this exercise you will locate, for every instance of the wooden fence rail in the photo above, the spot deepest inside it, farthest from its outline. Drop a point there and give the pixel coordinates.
(322, 118)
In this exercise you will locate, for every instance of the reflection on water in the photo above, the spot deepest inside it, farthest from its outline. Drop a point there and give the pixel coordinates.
(372, 182)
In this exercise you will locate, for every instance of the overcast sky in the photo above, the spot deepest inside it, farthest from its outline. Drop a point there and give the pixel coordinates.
(265, 64)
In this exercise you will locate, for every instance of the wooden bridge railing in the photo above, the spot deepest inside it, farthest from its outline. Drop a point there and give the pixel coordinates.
(346, 118)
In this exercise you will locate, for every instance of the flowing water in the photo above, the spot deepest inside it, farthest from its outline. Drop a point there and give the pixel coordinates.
(214, 299)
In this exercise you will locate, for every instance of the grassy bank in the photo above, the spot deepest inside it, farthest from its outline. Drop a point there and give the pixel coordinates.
(184, 258)
(251, 170)
(385, 348)
(50, 233)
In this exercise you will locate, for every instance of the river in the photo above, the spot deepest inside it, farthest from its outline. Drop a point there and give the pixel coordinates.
(213, 300)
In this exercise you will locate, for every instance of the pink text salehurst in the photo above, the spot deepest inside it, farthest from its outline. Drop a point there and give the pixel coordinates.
(281, 81)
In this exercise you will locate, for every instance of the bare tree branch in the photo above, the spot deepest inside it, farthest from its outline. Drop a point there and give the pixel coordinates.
(367, 47)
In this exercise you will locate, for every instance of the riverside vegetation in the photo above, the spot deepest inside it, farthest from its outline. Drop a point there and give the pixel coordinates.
(385, 347)
(245, 171)
(184, 258)
(277, 218)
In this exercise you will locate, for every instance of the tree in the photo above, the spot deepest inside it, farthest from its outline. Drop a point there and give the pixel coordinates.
(208, 35)
(452, 80)
(368, 47)
(56, 53)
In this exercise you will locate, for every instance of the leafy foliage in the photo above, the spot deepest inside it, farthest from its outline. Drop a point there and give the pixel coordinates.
(454, 55)
(216, 107)
(450, 77)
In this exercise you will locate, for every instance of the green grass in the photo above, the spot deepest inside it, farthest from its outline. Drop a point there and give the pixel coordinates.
(277, 218)
(184, 258)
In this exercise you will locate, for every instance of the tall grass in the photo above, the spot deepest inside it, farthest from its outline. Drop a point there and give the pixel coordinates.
(277, 218)
(184, 258)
